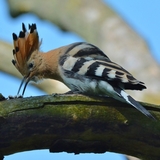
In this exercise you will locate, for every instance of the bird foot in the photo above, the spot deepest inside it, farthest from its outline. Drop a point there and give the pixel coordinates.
(15, 97)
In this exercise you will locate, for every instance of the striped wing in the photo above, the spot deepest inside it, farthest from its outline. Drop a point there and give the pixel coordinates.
(113, 74)
(87, 51)
(87, 60)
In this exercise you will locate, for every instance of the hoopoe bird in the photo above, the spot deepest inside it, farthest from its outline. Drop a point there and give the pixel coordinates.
(81, 66)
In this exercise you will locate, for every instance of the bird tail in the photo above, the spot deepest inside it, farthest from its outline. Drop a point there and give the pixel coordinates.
(125, 97)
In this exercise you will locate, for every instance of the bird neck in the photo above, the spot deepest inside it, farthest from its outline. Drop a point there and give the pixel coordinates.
(50, 65)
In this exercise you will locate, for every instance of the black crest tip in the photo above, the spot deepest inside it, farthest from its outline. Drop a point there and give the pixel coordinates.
(23, 27)
(17, 49)
(14, 36)
(21, 34)
(29, 26)
(14, 62)
(32, 29)
(34, 26)
(14, 52)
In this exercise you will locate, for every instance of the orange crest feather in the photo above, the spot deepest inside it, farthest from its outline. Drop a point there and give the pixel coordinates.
(24, 45)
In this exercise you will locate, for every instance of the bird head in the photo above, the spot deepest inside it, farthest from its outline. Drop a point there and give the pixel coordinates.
(25, 53)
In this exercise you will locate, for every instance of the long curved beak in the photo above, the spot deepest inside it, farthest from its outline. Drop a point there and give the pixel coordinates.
(26, 81)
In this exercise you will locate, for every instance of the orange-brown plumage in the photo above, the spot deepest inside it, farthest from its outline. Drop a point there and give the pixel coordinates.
(24, 46)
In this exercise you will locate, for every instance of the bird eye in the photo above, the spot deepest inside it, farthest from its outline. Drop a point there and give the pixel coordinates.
(30, 65)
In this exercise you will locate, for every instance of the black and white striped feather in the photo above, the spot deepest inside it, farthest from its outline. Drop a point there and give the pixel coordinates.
(85, 68)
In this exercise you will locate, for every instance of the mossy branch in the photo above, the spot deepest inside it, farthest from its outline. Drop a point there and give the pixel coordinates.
(78, 124)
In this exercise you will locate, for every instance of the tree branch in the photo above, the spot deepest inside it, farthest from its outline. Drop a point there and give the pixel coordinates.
(78, 124)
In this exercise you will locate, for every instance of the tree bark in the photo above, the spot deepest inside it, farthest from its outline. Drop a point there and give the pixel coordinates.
(78, 124)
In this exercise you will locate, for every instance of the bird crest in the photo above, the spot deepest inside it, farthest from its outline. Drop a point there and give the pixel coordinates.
(25, 46)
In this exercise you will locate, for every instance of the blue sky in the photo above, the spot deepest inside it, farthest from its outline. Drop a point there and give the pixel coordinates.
(144, 17)
(141, 15)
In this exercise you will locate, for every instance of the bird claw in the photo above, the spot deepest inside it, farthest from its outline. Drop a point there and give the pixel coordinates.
(15, 97)
(73, 92)
(66, 93)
